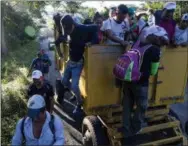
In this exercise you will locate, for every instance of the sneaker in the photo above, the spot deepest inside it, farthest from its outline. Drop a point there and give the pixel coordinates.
(125, 132)
(139, 131)
(78, 111)
(72, 98)
(59, 101)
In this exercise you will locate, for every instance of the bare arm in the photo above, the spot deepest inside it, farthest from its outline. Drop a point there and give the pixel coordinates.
(115, 39)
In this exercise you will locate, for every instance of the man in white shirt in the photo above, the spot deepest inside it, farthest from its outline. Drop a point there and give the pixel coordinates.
(39, 127)
(151, 18)
(116, 27)
(181, 31)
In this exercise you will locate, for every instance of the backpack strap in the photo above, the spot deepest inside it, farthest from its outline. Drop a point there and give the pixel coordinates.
(142, 51)
(52, 127)
(22, 128)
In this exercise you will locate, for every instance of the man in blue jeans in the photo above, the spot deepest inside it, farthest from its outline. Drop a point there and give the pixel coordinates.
(78, 39)
(137, 92)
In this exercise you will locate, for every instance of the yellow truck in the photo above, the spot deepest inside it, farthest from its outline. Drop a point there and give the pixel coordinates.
(102, 99)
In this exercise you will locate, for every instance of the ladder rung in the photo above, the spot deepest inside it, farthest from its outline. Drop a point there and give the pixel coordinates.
(114, 119)
(155, 112)
(152, 128)
(160, 127)
(157, 118)
(164, 141)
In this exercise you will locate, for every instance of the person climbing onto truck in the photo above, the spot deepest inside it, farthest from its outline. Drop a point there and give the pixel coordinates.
(43, 88)
(39, 127)
(136, 92)
(78, 39)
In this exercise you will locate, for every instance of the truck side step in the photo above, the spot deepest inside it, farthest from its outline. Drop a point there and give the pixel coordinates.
(164, 141)
(153, 128)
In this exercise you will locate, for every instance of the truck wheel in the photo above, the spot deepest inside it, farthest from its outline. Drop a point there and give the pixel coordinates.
(93, 132)
(186, 127)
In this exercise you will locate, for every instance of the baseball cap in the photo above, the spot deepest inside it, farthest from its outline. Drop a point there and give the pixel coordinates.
(156, 30)
(170, 6)
(36, 74)
(34, 105)
(185, 17)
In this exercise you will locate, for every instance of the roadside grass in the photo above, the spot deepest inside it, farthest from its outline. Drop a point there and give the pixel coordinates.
(14, 69)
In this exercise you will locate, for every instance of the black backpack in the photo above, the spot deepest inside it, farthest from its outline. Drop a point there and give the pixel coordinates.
(51, 125)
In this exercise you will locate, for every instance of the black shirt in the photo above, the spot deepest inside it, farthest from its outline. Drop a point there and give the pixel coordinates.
(151, 55)
(46, 91)
(79, 37)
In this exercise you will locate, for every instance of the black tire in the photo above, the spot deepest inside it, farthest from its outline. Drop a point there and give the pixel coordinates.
(93, 132)
(186, 127)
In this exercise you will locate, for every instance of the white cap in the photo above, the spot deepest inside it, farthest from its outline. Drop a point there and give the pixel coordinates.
(156, 30)
(185, 17)
(36, 74)
(35, 103)
(170, 5)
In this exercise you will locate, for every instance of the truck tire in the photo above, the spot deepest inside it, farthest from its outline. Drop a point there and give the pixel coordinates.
(186, 127)
(93, 132)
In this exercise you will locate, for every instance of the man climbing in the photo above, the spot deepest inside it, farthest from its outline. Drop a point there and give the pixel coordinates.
(78, 39)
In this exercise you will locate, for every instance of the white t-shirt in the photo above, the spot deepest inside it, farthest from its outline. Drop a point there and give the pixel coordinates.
(151, 20)
(181, 36)
(118, 30)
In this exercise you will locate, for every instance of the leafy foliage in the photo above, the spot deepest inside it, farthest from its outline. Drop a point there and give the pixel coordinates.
(154, 5)
(72, 6)
(181, 8)
(87, 12)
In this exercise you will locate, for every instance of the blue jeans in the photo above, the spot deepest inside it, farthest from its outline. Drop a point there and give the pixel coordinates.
(134, 94)
(73, 71)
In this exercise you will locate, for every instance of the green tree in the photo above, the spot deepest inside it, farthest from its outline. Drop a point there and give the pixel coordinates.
(154, 5)
(16, 15)
(87, 12)
(72, 6)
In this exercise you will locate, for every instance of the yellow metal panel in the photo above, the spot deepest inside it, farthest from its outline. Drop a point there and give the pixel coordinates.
(97, 83)
(101, 82)
(172, 80)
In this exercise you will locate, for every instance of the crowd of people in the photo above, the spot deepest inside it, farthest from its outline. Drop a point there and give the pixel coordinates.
(123, 27)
